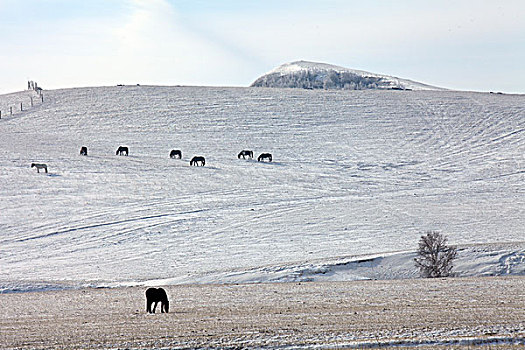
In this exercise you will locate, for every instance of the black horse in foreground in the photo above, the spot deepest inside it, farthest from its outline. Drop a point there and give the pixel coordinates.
(122, 151)
(175, 153)
(83, 151)
(154, 295)
(264, 156)
(196, 160)
(245, 153)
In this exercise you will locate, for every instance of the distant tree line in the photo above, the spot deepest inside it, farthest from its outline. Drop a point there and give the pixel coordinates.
(321, 80)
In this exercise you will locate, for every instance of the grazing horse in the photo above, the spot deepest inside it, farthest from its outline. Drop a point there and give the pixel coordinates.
(83, 151)
(196, 160)
(264, 156)
(154, 295)
(39, 166)
(245, 153)
(122, 151)
(175, 153)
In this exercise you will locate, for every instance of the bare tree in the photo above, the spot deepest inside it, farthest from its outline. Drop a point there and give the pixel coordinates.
(434, 256)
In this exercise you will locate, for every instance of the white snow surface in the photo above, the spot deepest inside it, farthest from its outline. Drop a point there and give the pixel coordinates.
(324, 68)
(357, 178)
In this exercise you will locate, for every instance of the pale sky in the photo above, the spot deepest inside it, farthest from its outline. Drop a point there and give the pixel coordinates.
(462, 44)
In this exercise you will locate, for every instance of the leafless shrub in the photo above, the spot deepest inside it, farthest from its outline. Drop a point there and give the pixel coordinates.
(434, 256)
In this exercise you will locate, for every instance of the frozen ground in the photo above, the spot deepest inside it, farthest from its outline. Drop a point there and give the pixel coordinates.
(357, 177)
(461, 313)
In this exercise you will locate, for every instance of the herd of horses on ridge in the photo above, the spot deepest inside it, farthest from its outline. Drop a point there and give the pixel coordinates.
(174, 154)
(197, 160)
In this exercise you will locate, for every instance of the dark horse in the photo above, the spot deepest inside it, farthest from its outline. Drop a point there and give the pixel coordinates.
(122, 151)
(154, 295)
(196, 160)
(245, 153)
(83, 151)
(264, 156)
(175, 153)
(39, 166)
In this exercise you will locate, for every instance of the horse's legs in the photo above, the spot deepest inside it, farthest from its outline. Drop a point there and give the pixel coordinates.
(155, 306)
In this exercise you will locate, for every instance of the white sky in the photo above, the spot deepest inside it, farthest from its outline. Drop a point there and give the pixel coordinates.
(461, 44)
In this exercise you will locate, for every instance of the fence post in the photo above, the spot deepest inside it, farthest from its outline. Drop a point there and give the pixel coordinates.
(31, 101)
(21, 108)
(42, 97)
(11, 110)
(0, 114)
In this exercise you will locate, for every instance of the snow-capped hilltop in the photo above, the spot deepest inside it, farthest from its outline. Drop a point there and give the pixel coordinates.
(314, 75)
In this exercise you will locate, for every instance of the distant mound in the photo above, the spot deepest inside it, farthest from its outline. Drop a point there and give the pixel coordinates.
(312, 75)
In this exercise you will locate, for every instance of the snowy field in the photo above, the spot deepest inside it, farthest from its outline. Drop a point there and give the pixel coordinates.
(357, 177)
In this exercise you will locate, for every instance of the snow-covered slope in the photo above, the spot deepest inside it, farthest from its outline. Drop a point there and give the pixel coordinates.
(356, 174)
(314, 75)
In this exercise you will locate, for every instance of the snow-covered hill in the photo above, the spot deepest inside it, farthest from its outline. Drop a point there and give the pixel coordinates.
(314, 75)
(357, 177)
